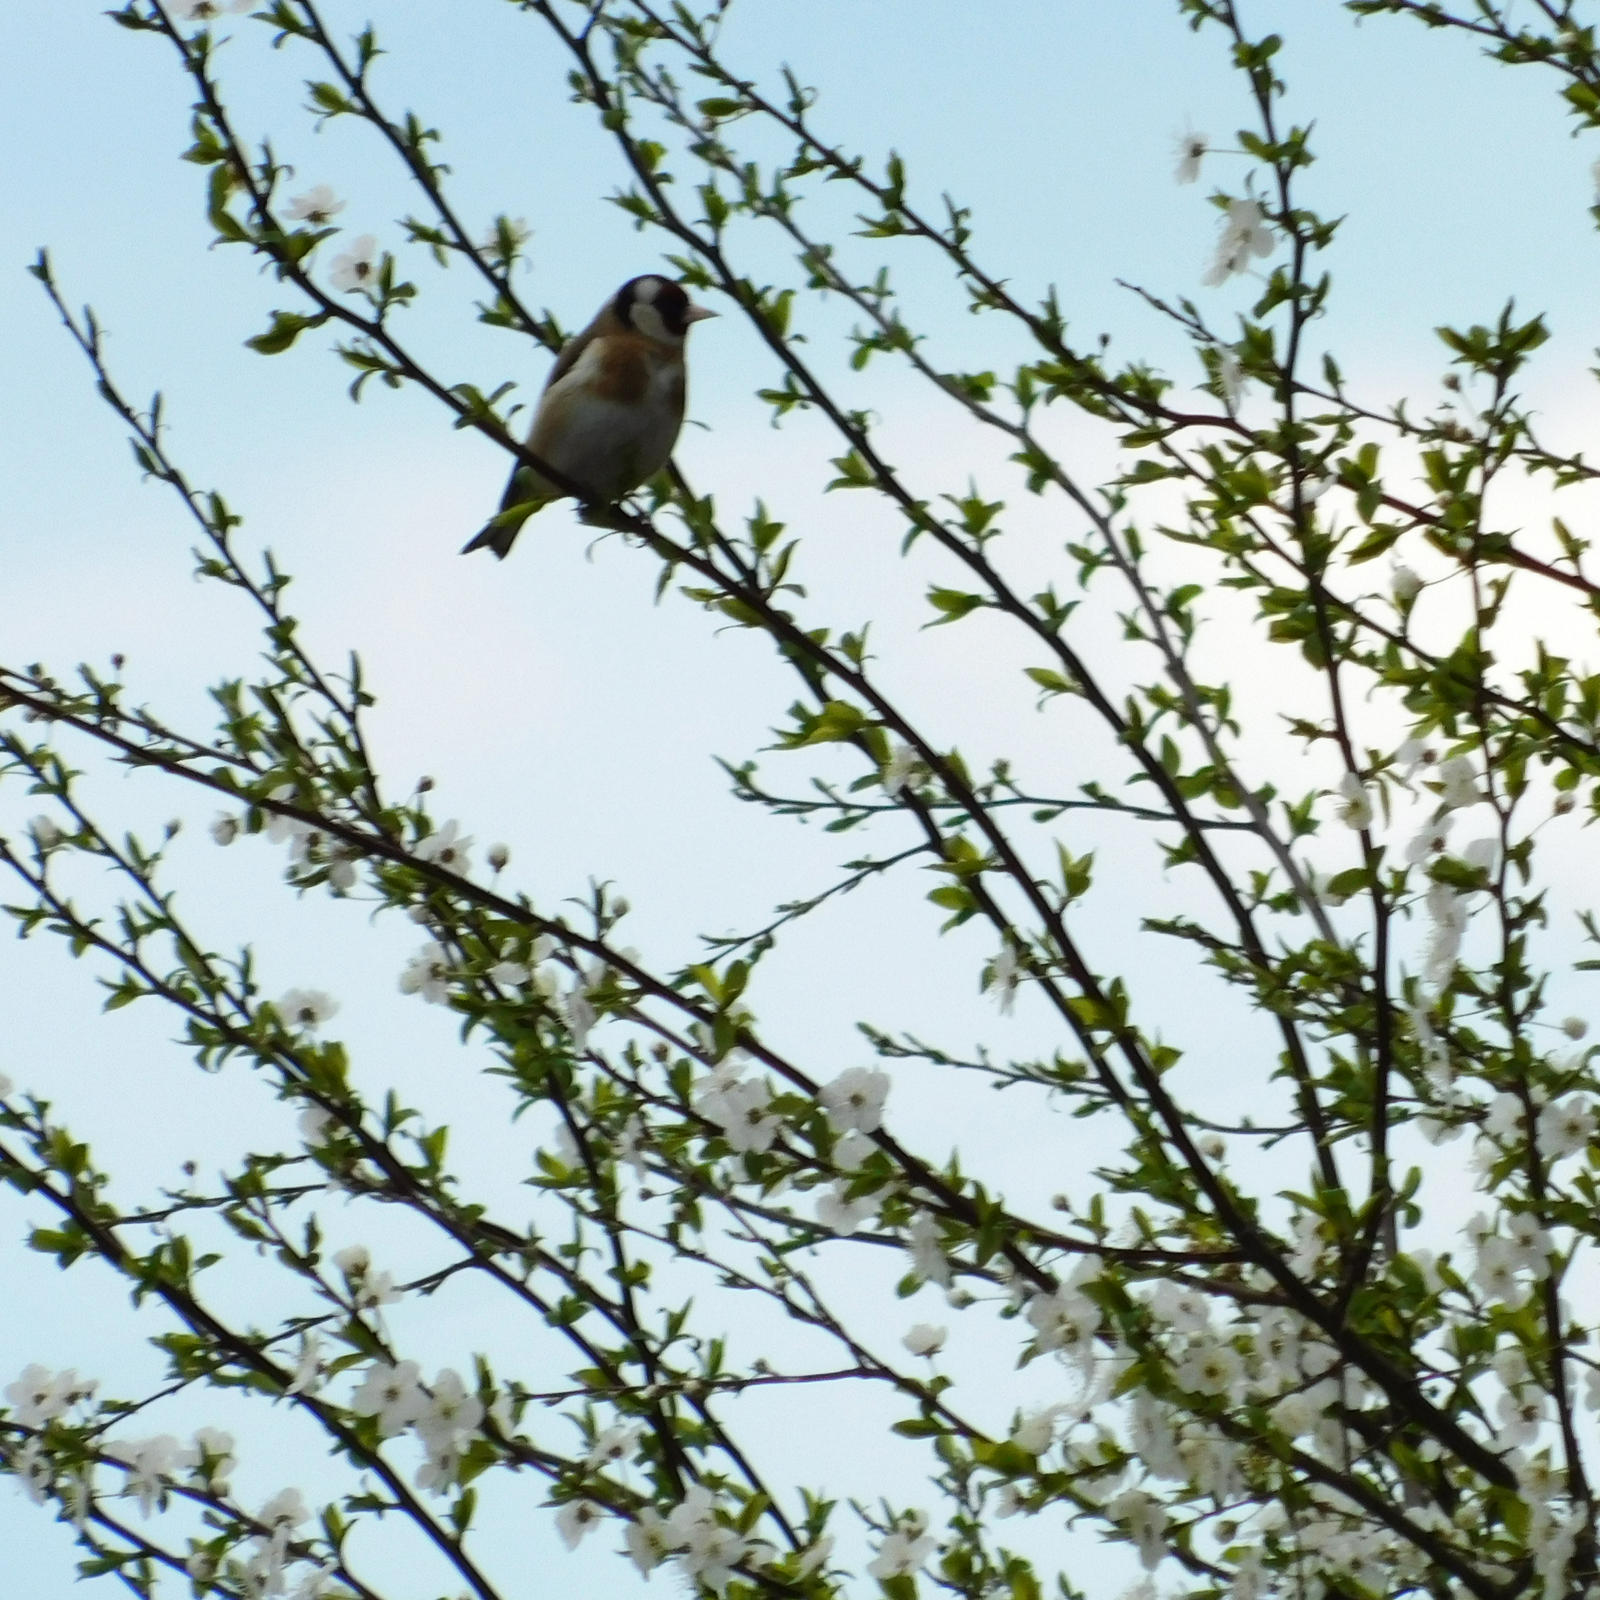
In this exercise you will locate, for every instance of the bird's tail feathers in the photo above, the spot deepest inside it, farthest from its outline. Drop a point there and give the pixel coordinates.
(500, 532)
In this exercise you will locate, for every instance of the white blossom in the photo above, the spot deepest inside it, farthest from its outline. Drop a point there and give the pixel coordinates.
(357, 267)
(1230, 376)
(903, 765)
(35, 1470)
(1355, 808)
(283, 829)
(354, 1261)
(745, 1114)
(1210, 1368)
(1185, 1309)
(630, 1145)
(446, 849)
(1245, 233)
(647, 1541)
(1146, 1520)
(855, 1099)
(838, 1213)
(1299, 1413)
(926, 1245)
(1521, 1415)
(393, 1395)
(813, 1556)
(150, 1463)
(317, 205)
(306, 1009)
(710, 1553)
(1496, 1271)
(451, 1412)
(1574, 1027)
(1004, 975)
(1431, 841)
(45, 833)
(1458, 783)
(1064, 1320)
(1192, 150)
(39, 1395)
(428, 973)
(225, 827)
(1151, 1437)
(614, 1446)
(925, 1339)
(575, 1519)
(1566, 1126)
(1404, 585)
(213, 1458)
(707, 1550)
(902, 1553)
(1035, 1431)
(286, 1509)
(853, 1152)
(307, 1377)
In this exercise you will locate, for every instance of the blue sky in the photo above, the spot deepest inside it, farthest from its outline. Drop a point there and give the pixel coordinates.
(556, 705)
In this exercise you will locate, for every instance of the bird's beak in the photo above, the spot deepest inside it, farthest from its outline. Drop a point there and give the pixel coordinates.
(698, 313)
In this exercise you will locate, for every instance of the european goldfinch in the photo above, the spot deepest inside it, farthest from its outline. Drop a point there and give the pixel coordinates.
(611, 407)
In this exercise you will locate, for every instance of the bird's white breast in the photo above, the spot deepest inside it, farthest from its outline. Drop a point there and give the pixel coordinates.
(611, 446)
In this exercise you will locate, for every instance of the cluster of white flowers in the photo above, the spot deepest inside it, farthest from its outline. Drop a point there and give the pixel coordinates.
(1554, 1525)
(268, 1553)
(1245, 234)
(1561, 1127)
(1504, 1258)
(705, 1550)
(1066, 1321)
(1145, 1519)
(311, 849)
(150, 1467)
(37, 1398)
(445, 1415)
(741, 1107)
(368, 1289)
(40, 1395)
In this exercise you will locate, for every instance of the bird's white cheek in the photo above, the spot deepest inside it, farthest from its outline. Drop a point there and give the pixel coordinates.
(648, 321)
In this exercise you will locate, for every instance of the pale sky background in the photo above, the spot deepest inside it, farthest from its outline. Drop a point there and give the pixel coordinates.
(559, 709)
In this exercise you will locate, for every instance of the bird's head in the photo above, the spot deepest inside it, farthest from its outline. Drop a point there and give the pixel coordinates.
(658, 308)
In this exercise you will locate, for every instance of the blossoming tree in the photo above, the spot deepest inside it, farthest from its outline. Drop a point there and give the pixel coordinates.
(1261, 1343)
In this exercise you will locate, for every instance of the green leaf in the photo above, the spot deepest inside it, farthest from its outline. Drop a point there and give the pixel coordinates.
(287, 326)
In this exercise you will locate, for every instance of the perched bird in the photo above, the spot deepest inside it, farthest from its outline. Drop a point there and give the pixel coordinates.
(611, 407)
